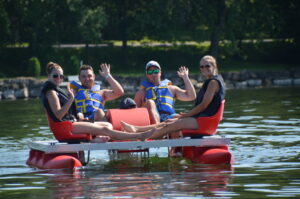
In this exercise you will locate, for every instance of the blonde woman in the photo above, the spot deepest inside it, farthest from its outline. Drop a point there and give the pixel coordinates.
(208, 101)
(60, 107)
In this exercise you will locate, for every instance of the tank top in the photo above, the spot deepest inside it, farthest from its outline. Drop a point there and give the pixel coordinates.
(214, 105)
(63, 99)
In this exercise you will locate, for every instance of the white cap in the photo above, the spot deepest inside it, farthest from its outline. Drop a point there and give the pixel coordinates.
(152, 63)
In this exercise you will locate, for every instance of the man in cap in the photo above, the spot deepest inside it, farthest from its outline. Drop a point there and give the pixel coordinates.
(159, 95)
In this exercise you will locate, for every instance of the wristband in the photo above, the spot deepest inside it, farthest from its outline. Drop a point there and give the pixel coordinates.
(107, 76)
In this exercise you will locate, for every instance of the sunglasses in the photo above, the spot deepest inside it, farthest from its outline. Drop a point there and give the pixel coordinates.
(206, 66)
(56, 76)
(155, 71)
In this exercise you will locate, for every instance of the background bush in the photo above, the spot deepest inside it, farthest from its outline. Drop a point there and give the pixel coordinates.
(34, 67)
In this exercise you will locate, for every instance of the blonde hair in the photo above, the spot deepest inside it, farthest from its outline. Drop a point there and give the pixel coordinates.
(52, 66)
(210, 59)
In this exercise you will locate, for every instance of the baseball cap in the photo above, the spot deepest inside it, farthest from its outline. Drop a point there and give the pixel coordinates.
(127, 103)
(152, 63)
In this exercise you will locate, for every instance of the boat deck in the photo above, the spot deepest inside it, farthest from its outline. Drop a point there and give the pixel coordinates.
(60, 147)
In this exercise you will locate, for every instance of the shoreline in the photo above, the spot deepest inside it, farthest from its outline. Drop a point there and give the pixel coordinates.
(29, 87)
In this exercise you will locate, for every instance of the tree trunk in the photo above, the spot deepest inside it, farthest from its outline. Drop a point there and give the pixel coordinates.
(124, 47)
(123, 27)
(86, 57)
(217, 29)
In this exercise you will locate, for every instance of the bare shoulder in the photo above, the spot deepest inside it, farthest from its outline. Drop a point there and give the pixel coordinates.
(51, 93)
(214, 83)
(174, 89)
(103, 91)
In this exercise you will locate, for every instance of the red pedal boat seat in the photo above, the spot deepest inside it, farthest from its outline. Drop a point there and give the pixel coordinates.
(207, 125)
(62, 132)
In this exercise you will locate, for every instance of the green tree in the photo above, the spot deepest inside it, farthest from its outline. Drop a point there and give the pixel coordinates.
(91, 21)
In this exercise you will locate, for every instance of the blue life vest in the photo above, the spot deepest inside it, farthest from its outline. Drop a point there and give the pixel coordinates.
(161, 95)
(87, 101)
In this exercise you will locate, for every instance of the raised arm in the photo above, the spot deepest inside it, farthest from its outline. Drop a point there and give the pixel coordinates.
(53, 100)
(189, 93)
(117, 89)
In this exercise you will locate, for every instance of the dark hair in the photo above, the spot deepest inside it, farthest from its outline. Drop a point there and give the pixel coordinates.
(85, 67)
(52, 66)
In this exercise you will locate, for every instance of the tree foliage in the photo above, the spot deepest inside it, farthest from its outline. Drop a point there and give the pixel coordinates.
(40, 23)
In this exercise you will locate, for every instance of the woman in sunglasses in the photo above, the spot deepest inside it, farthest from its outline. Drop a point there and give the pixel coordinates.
(60, 107)
(208, 101)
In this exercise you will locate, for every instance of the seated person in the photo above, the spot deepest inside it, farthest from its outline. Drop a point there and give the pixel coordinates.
(159, 95)
(208, 101)
(89, 98)
(58, 105)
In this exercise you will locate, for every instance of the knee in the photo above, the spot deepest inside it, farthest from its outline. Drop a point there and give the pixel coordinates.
(99, 112)
(108, 126)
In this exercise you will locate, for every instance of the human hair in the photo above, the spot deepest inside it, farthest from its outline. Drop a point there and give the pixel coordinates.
(85, 67)
(52, 66)
(210, 59)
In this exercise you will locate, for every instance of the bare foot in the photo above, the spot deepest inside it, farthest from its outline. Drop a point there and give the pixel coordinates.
(147, 134)
(175, 152)
(127, 127)
(100, 139)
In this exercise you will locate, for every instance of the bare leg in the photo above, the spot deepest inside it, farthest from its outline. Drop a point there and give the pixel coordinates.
(96, 129)
(100, 139)
(175, 151)
(154, 116)
(99, 115)
(181, 123)
(106, 124)
(132, 128)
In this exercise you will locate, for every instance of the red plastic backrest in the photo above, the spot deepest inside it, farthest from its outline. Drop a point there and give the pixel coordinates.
(134, 116)
(62, 131)
(207, 125)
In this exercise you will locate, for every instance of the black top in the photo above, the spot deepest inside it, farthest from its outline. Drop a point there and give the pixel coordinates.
(214, 105)
(63, 99)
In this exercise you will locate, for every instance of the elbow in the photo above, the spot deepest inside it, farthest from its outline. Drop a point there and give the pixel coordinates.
(193, 97)
(58, 116)
(120, 92)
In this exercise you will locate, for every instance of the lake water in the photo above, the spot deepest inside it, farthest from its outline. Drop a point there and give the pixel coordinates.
(263, 124)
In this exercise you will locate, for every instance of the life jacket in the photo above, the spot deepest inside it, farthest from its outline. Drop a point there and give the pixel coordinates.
(218, 97)
(63, 99)
(162, 96)
(88, 100)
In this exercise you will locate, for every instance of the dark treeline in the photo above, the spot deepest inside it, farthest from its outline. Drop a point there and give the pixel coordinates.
(40, 24)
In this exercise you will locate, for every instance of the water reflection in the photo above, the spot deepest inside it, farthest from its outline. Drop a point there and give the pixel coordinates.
(193, 181)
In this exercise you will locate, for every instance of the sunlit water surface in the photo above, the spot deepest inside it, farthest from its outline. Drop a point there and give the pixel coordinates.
(263, 124)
